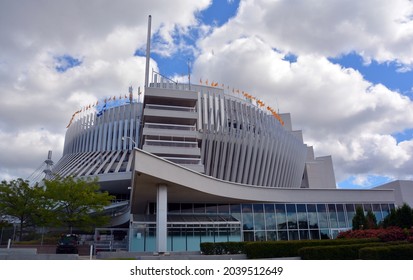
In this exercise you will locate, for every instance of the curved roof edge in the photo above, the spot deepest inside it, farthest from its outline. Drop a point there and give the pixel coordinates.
(186, 185)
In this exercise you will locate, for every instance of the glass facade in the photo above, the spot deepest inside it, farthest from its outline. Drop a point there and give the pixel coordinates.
(194, 223)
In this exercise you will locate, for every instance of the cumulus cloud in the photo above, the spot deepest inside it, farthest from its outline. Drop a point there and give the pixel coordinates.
(340, 112)
(58, 56)
(379, 30)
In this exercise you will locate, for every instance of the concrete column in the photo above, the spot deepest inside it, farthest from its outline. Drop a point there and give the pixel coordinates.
(161, 218)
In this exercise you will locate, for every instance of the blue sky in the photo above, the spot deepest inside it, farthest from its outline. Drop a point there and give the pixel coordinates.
(342, 69)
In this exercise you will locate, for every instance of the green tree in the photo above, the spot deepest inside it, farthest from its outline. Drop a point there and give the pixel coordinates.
(359, 220)
(371, 220)
(400, 217)
(77, 202)
(22, 202)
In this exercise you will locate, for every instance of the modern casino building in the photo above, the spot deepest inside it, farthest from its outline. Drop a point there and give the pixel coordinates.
(198, 163)
(203, 163)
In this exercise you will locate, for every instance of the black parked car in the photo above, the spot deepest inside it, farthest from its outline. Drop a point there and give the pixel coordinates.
(67, 244)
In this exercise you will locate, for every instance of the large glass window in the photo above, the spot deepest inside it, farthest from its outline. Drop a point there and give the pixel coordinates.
(281, 217)
(260, 236)
(304, 234)
(351, 211)
(341, 216)
(314, 234)
(223, 208)
(385, 209)
(377, 212)
(312, 216)
(247, 218)
(211, 208)
(248, 236)
(259, 223)
(174, 208)
(322, 215)
(186, 208)
(293, 235)
(333, 215)
(270, 220)
(236, 211)
(367, 207)
(282, 235)
(302, 216)
(199, 208)
(271, 235)
(291, 216)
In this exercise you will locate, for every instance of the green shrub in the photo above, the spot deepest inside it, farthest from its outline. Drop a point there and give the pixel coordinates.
(340, 252)
(392, 252)
(223, 248)
(280, 249)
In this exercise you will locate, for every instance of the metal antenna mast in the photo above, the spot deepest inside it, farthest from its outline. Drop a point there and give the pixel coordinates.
(148, 52)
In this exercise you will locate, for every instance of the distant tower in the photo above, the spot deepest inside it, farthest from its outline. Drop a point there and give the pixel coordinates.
(131, 94)
(48, 169)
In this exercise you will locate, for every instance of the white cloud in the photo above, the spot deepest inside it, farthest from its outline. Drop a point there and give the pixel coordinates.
(37, 100)
(376, 29)
(340, 112)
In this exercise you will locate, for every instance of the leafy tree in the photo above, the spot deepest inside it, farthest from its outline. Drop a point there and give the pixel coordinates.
(371, 220)
(22, 202)
(77, 202)
(405, 216)
(400, 217)
(359, 220)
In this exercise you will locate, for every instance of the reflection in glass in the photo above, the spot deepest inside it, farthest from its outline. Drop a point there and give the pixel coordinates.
(293, 235)
(322, 215)
(333, 215)
(282, 235)
(248, 236)
(302, 216)
(304, 235)
(291, 216)
(223, 208)
(280, 214)
(211, 208)
(324, 234)
(351, 211)
(385, 210)
(247, 218)
(259, 223)
(258, 208)
(377, 212)
(236, 211)
(314, 234)
(312, 216)
(341, 216)
(271, 235)
(270, 220)
(260, 236)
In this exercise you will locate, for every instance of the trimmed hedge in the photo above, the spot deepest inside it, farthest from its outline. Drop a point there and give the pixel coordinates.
(282, 249)
(392, 252)
(223, 248)
(341, 252)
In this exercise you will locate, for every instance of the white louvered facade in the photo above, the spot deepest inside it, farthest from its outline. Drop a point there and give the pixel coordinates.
(222, 135)
(202, 128)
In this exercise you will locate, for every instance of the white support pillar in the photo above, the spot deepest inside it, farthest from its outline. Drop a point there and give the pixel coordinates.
(161, 218)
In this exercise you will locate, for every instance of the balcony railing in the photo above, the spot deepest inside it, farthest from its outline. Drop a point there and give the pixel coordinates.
(167, 143)
(170, 108)
(179, 160)
(171, 126)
